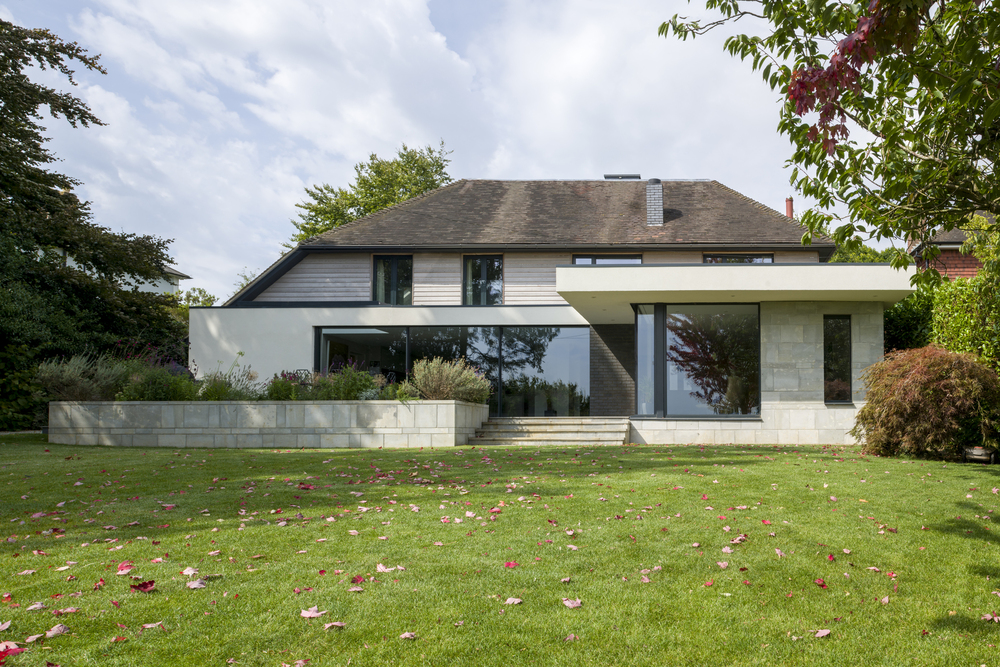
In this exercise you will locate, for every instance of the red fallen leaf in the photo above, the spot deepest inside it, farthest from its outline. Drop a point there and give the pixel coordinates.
(6, 597)
(322, 572)
(119, 639)
(709, 583)
(511, 564)
(125, 567)
(496, 510)
(116, 603)
(766, 522)
(357, 579)
(820, 583)
(144, 586)
(831, 558)
(704, 496)
(746, 582)
(924, 632)
(39, 552)
(822, 633)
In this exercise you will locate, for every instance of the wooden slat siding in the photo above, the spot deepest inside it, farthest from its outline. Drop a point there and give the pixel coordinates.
(437, 279)
(324, 277)
(672, 257)
(530, 277)
(795, 256)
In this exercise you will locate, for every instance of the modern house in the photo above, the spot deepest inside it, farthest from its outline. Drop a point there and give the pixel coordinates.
(684, 306)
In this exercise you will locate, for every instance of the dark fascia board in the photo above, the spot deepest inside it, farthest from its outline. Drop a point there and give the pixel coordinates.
(825, 251)
(255, 289)
(303, 304)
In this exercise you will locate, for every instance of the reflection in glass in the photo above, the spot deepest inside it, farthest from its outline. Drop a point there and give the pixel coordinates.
(738, 259)
(394, 280)
(483, 280)
(381, 350)
(713, 360)
(837, 358)
(546, 371)
(607, 259)
(645, 360)
(480, 346)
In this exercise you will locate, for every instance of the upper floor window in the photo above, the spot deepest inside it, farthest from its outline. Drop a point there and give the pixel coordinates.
(393, 282)
(738, 258)
(482, 283)
(607, 259)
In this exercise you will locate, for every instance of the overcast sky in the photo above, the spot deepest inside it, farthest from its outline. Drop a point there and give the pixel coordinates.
(220, 113)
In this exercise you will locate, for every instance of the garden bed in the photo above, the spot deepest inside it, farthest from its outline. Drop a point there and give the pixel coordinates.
(232, 424)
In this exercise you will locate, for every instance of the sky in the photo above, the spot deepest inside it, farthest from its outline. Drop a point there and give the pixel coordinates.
(219, 114)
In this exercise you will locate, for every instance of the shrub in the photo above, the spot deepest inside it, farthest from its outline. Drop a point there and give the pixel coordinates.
(927, 402)
(402, 391)
(239, 383)
(437, 379)
(287, 386)
(966, 318)
(85, 377)
(907, 324)
(21, 399)
(158, 383)
(347, 383)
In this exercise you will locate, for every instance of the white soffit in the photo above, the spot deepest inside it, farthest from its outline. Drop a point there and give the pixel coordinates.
(604, 294)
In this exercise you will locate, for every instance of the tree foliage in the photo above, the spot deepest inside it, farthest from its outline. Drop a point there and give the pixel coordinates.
(892, 108)
(378, 184)
(65, 282)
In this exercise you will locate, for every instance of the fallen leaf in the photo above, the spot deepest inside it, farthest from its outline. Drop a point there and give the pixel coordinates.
(355, 589)
(214, 553)
(822, 633)
(4, 625)
(779, 552)
(358, 578)
(565, 581)
(33, 638)
(335, 624)
(37, 606)
(820, 583)
(885, 600)
(143, 586)
(513, 601)
(25, 573)
(722, 564)
(197, 583)
(709, 583)
(510, 564)
(570, 638)
(572, 604)
(408, 635)
(311, 612)
(189, 571)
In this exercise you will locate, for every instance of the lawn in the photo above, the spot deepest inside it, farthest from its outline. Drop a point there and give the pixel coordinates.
(678, 555)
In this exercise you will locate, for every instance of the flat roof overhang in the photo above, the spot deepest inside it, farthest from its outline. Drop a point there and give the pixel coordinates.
(603, 294)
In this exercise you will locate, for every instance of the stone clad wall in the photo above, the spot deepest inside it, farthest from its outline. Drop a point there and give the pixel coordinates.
(791, 369)
(266, 423)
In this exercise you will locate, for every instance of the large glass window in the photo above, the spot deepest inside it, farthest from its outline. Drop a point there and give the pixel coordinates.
(393, 282)
(713, 360)
(837, 358)
(698, 360)
(483, 280)
(738, 258)
(377, 350)
(607, 259)
(546, 371)
(480, 346)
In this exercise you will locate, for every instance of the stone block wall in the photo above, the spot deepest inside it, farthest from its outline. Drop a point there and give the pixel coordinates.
(612, 370)
(791, 367)
(266, 424)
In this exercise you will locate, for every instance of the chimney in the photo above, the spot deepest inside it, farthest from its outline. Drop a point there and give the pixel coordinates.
(654, 203)
(789, 208)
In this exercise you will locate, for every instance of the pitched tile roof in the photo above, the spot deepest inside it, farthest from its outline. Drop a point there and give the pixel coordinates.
(470, 213)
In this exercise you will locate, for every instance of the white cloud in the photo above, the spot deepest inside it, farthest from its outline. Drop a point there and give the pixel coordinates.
(219, 113)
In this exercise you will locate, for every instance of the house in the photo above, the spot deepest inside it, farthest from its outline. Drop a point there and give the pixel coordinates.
(170, 283)
(684, 306)
(950, 263)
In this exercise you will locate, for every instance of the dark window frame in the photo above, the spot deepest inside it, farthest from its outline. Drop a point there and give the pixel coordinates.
(850, 361)
(595, 257)
(768, 256)
(660, 363)
(465, 277)
(393, 279)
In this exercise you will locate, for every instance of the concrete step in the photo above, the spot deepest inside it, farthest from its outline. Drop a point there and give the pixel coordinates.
(537, 431)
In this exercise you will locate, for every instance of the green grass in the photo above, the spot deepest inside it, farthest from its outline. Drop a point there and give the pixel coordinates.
(926, 523)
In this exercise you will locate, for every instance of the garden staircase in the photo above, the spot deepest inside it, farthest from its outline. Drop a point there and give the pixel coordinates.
(566, 431)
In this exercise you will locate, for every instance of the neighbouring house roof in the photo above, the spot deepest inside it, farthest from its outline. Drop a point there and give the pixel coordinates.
(471, 213)
(954, 237)
(171, 271)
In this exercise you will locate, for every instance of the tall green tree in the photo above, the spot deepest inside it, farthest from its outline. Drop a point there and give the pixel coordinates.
(378, 184)
(892, 108)
(65, 282)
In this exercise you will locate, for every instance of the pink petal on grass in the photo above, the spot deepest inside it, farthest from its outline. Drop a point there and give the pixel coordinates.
(510, 564)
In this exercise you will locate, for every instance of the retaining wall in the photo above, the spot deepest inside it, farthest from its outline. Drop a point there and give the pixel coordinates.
(288, 424)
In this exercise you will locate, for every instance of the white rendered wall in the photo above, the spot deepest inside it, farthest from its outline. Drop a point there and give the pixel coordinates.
(277, 339)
